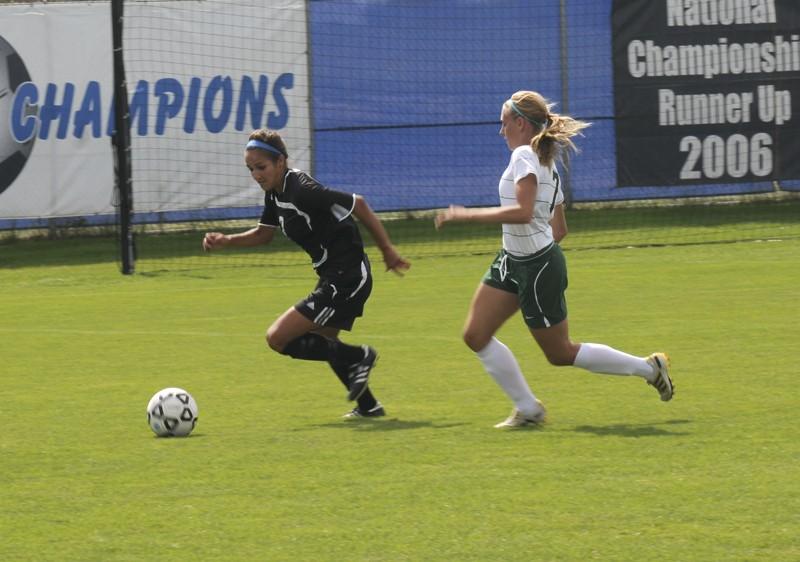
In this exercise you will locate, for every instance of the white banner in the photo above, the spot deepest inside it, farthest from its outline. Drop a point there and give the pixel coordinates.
(201, 75)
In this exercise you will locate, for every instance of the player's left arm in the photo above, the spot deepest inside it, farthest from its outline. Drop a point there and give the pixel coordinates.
(559, 223)
(393, 260)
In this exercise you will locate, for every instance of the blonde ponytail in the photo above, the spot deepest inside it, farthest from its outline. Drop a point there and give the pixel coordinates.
(555, 131)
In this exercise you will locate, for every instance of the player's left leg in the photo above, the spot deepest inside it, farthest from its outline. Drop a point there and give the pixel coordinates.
(555, 343)
(367, 406)
(334, 304)
(295, 335)
(545, 311)
(602, 359)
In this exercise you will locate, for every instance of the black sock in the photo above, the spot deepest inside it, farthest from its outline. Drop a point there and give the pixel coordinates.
(310, 346)
(367, 400)
(314, 347)
(345, 353)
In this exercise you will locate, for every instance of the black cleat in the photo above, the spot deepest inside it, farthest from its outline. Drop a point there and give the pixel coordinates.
(376, 411)
(359, 373)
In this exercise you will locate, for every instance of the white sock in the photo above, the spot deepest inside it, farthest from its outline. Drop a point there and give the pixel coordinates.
(599, 358)
(501, 364)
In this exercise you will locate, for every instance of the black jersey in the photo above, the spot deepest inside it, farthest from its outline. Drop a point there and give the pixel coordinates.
(317, 219)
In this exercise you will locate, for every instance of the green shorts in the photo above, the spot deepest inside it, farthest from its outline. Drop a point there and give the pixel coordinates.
(539, 281)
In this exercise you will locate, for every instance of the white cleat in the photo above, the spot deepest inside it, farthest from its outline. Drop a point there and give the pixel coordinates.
(661, 381)
(518, 419)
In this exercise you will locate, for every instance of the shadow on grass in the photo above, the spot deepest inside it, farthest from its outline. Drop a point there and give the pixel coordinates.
(192, 436)
(391, 424)
(190, 274)
(634, 430)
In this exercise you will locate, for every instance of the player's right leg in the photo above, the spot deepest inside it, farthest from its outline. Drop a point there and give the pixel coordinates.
(489, 310)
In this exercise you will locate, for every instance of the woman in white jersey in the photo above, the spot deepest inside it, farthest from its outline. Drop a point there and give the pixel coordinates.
(529, 274)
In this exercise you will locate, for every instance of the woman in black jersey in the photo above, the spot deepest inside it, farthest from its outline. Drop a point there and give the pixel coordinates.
(319, 220)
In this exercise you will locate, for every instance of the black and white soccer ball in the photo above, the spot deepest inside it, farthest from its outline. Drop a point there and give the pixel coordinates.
(13, 154)
(172, 412)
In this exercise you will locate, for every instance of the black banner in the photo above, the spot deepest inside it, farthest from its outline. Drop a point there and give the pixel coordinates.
(706, 91)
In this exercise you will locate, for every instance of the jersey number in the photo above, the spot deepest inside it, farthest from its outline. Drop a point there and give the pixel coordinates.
(557, 181)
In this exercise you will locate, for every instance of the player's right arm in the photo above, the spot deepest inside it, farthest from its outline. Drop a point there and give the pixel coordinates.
(256, 236)
(521, 213)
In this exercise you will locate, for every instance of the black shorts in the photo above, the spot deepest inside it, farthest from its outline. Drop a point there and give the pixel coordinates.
(339, 297)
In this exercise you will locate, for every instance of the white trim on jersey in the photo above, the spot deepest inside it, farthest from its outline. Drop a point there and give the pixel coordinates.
(322, 260)
(287, 205)
(341, 213)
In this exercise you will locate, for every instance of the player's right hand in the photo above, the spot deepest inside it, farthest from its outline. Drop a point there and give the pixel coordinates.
(454, 212)
(213, 240)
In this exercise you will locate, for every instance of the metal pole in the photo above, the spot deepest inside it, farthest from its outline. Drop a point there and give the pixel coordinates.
(309, 66)
(564, 52)
(122, 144)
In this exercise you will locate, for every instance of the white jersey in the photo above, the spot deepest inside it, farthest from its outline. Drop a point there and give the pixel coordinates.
(536, 235)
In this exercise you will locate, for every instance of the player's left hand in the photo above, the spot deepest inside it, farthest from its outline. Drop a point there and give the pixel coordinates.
(394, 261)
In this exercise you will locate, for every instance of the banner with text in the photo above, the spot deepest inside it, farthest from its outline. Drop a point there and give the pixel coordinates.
(706, 91)
(191, 106)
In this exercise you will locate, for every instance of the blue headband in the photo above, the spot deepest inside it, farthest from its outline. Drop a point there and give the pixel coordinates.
(255, 143)
(518, 112)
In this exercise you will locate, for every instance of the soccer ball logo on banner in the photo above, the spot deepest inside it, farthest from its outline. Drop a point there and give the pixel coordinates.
(13, 155)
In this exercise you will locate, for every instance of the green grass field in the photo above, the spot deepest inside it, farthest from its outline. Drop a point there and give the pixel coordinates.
(272, 473)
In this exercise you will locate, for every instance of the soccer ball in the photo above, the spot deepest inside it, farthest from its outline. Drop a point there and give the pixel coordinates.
(172, 412)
